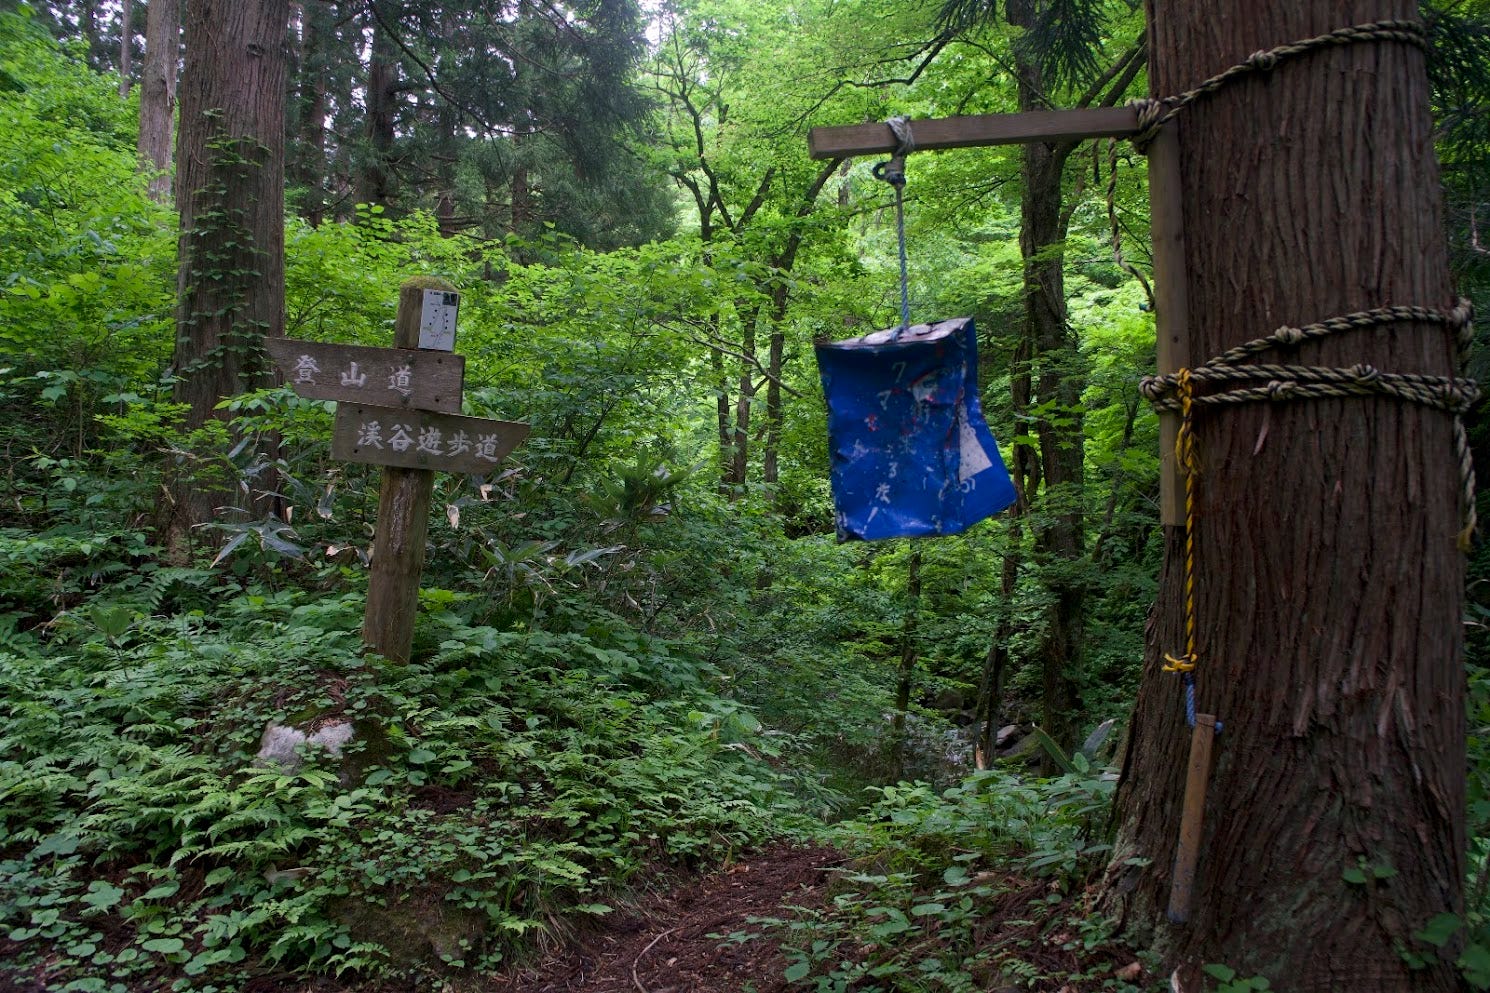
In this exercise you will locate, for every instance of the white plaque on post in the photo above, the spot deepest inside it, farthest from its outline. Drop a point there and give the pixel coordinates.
(437, 320)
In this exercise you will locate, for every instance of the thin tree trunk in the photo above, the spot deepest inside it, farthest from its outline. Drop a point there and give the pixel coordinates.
(230, 195)
(126, 45)
(1329, 585)
(744, 399)
(721, 412)
(906, 675)
(1058, 528)
(1025, 477)
(771, 450)
(311, 167)
(158, 93)
(88, 24)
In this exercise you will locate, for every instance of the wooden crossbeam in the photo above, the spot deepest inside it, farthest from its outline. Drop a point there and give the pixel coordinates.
(976, 131)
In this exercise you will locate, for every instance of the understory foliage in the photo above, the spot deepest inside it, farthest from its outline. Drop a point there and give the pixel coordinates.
(503, 782)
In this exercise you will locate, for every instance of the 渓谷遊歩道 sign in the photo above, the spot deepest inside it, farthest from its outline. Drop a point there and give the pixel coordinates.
(418, 439)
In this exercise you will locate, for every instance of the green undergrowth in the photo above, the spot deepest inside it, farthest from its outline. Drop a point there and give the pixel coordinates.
(978, 886)
(503, 786)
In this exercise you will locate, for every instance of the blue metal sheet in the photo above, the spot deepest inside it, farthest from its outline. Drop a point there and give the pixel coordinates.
(911, 453)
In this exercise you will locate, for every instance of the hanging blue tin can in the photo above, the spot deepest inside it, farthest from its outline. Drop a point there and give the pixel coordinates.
(911, 453)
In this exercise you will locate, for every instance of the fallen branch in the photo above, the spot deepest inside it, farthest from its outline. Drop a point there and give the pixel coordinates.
(643, 954)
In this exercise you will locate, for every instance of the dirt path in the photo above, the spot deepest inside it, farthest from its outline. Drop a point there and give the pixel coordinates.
(664, 947)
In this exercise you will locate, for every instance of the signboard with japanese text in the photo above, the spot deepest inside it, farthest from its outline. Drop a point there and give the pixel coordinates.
(417, 439)
(437, 320)
(387, 377)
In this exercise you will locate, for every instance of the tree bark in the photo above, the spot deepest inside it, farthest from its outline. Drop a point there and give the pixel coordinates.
(310, 169)
(158, 93)
(230, 195)
(126, 45)
(1057, 521)
(909, 652)
(382, 96)
(1330, 587)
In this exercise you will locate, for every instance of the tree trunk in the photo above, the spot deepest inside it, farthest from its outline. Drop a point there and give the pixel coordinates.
(722, 407)
(310, 152)
(158, 93)
(906, 675)
(382, 96)
(88, 25)
(1057, 521)
(1330, 587)
(776, 354)
(739, 466)
(1025, 477)
(230, 195)
(126, 45)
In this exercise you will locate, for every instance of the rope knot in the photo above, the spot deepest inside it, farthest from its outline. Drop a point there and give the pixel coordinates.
(1184, 663)
(1462, 315)
(1155, 388)
(1263, 61)
(1289, 335)
(1279, 389)
(1364, 374)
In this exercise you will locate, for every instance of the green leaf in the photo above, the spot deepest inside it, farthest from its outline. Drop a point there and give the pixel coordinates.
(166, 946)
(60, 843)
(102, 895)
(1354, 874)
(162, 891)
(419, 756)
(1475, 965)
(1440, 929)
(797, 970)
(1216, 970)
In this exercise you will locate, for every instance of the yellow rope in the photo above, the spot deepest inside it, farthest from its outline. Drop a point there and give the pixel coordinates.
(1184, 451)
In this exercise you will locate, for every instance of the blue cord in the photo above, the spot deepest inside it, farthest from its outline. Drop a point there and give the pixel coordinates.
(1189, 679)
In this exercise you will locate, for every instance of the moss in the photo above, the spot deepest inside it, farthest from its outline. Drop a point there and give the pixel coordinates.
(421, 928)
(427, 283)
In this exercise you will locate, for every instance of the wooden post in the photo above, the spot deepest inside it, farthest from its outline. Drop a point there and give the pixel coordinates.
(1192, 818)
(1171, 306)
(403, 519)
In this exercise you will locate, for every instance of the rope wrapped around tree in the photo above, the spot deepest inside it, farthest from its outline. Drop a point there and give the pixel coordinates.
(1275, 382)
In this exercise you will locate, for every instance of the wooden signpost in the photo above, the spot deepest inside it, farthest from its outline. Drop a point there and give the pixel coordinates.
(400, 408)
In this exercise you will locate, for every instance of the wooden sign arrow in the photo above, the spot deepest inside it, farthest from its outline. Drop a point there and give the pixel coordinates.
(417, 439)
(388, 377)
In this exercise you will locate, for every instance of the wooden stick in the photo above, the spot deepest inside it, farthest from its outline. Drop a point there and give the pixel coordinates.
(1192, 818)
(1171, 305)
(978, 130)
(403, 520)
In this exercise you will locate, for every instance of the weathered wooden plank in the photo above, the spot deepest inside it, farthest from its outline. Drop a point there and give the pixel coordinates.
(386, 377)
(976, 130)
(1171, 306)
(1192, 818)
(420, 439)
